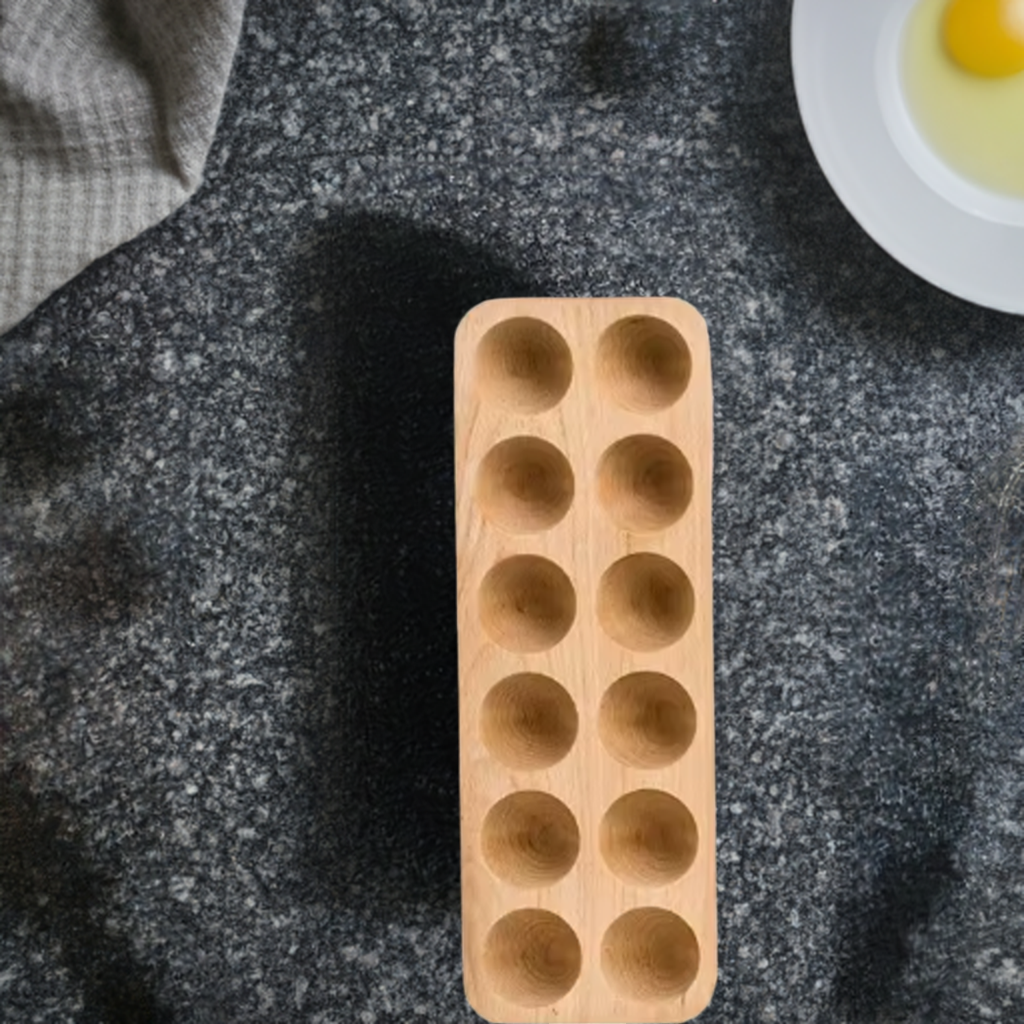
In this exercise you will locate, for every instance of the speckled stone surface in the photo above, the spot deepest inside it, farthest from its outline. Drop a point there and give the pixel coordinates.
(228, 786)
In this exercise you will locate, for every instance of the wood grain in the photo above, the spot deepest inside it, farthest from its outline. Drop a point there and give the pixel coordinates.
(583, 457)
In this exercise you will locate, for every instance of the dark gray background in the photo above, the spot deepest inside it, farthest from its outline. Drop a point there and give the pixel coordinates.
(228, 786)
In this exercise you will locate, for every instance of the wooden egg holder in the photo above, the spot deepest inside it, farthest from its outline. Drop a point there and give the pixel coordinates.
(583, 455)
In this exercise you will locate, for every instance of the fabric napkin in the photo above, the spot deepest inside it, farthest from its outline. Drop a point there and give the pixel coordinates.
(107, 112)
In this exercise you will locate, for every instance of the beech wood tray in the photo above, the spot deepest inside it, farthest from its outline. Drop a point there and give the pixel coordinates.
(583, 457)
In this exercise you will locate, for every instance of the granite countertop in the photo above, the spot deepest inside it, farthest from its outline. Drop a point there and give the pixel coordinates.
(228, 746)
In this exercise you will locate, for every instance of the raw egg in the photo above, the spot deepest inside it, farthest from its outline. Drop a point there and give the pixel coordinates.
(963, 81)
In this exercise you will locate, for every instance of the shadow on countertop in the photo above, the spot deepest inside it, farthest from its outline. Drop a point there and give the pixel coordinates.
(46, 880)
(382, 740)
(629, 48)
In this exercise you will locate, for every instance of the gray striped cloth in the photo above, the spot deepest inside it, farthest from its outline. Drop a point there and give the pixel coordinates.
(107, 112)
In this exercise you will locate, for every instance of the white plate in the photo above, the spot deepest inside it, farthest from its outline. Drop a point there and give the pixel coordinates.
(964, 239)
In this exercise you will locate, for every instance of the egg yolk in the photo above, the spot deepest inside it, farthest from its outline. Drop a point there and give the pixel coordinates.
(986, 37)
